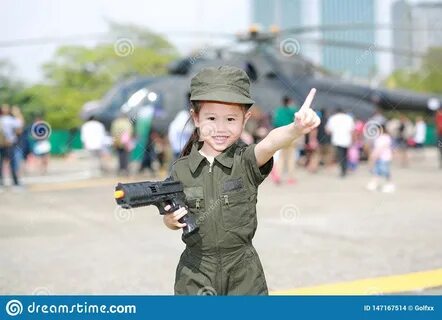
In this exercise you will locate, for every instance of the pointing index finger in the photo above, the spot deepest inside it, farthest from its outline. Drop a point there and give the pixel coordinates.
(308, 101)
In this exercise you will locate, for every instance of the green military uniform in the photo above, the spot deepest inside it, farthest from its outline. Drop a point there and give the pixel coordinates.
(220, 258)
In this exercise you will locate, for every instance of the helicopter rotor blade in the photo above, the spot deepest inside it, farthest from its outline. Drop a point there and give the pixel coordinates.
(354, 27)
(364, 46)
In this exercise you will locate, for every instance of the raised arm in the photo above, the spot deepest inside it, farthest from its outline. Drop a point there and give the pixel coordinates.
(305, 120)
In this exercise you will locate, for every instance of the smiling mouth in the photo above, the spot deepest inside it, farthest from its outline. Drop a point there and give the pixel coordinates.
(220, 139)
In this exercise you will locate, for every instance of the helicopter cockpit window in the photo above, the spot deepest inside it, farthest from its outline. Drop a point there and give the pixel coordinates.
(140, 98)
(180, 67)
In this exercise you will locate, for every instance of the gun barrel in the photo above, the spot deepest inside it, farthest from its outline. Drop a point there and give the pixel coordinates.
(138, 194)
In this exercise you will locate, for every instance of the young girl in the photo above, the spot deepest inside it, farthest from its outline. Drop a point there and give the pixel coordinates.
(221, 176)
(380, 161)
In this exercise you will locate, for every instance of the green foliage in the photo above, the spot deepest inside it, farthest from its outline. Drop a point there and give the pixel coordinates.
(427, 79)
(9, 87)
(78, 74)
(60, 106)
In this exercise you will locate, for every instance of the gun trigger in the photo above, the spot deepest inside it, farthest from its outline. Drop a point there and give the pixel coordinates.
(174, 206)
(161, 206)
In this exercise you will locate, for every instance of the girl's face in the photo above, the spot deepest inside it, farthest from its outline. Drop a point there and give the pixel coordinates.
(220, 124)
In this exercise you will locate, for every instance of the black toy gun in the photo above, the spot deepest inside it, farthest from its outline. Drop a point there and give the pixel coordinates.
(157, 193)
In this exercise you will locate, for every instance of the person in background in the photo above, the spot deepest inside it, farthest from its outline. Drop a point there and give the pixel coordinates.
(41, 145)
(380, 161)
(324, 141)
(10, 128)
(354, 152)
(404, 133)
(22, 147)
(438, 122)
(258, 126)
(122, 132)
(392, 127)
(354, 155)
(180, 130)
(264, 126)
(312, 151)
(144, 119)
(340, 126)
(93, 136)
(378, 117)
(420, 132)
(160, 145)
(147, 161)
(283, 116)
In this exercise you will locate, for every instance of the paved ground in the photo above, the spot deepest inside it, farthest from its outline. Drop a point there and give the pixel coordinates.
(65, 235)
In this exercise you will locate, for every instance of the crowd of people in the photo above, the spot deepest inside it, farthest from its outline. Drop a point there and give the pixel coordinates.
(341, 139)
(18, 145)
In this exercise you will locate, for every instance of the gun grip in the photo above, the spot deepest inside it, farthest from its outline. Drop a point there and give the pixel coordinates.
(191, 225)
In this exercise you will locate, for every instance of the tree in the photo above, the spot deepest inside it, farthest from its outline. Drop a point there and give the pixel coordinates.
(427, 79)
(78, 74)
(10, 88)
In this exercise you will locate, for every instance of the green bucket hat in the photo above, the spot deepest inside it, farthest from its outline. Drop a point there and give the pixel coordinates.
(222, 84)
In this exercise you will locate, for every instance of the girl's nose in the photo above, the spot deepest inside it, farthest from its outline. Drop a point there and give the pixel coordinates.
(221, 126)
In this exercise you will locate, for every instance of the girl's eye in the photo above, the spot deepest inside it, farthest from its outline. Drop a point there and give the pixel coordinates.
(211, 118)
(231, 119)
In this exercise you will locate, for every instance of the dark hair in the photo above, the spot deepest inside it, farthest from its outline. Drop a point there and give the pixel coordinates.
(383, 128)
(339, 110)
(286, 100)
(195, 137)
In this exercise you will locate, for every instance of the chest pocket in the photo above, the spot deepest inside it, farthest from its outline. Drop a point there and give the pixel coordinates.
(195, 200)
(236, 204)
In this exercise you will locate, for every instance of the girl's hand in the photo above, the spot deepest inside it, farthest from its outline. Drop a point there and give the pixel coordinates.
(306, 119)
(171, 219)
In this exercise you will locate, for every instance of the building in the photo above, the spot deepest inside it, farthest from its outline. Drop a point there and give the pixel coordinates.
(416, 27)
(402, 37)
(296, 13)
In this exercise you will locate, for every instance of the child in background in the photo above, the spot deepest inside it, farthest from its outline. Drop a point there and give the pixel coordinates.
(353, 156)
(380, 160)
(354, 152)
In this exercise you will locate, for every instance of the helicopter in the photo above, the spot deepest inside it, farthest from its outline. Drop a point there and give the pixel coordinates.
(273, 74)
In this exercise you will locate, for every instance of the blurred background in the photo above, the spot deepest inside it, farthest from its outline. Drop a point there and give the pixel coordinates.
(93, 93)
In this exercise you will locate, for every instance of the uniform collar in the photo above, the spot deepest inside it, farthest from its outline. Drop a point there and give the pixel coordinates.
(225, 158)
(195, 157)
